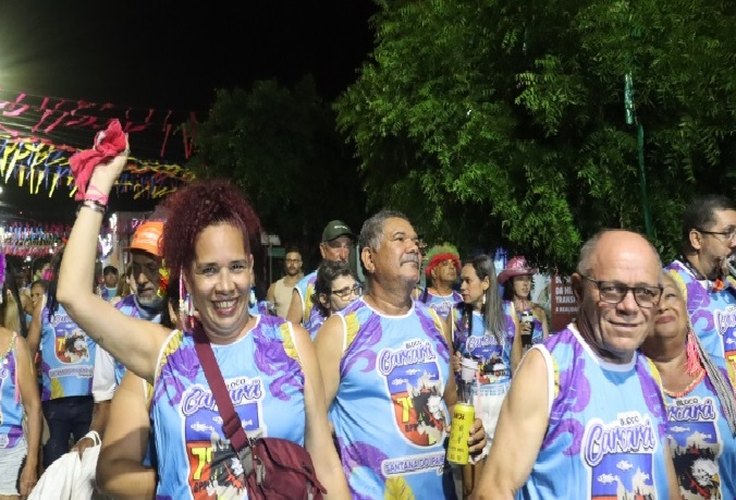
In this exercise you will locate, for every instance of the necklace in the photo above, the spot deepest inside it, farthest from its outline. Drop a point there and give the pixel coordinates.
(696, 380)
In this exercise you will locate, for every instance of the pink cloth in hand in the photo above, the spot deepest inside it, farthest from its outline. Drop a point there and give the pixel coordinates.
(108, 144)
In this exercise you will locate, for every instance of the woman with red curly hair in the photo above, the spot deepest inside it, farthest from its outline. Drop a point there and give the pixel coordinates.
(269, 365)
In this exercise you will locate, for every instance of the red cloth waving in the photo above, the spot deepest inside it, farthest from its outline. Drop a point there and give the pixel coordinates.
(108, 144)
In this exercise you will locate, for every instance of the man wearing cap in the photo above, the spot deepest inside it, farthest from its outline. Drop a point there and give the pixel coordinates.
(337, 240)
(709, 240)
(516, 279)
(442, 269)
(146, 302)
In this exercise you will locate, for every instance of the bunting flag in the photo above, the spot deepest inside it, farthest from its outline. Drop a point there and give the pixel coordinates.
(32, 240)
(39, 134)
(37, 164)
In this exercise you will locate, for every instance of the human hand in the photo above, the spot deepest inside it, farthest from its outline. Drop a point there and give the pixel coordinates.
(477, 439)
(82, 445)
(38, 304)
(457, 362)
(105, 174)
(28, 479)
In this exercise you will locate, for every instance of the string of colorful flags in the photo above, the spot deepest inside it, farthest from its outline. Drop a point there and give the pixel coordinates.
(37, 165)
(32, 240)
(38, 135)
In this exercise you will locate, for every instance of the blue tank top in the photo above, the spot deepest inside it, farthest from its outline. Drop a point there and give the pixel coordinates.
(389, 411)
(702, 446)
(67, 357)
(130, 307)
(712, 313)
(442, 304)
(606, 432)
(494, 359)
(11, 411)
(310, 311)
(266, 383)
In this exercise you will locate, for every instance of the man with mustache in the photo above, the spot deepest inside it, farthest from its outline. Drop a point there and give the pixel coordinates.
(708, 240)
(145, 302)
(385, 361)
(585, 417)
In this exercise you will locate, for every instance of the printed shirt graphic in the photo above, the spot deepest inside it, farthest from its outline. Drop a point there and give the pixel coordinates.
(389, 412)
(606, 433)
(67, 357)
(442, 304)
(311, 317)
(266, 384)
(494, 359)
(702, 446)
(713, 314)
(11, 412)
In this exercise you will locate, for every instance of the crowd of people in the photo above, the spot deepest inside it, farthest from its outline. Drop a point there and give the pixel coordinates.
(633, 399)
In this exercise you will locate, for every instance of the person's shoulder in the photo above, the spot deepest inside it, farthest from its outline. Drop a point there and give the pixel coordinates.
(5, 334)
(307, 279)
(127, 301)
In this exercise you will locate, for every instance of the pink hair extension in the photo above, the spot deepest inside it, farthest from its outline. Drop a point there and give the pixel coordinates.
(692, 364)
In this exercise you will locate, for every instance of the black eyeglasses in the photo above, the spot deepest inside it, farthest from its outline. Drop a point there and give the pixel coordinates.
(346, 292)
(613, 292)
(730, 234)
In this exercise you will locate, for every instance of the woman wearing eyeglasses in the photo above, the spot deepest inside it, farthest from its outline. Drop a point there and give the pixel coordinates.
(336, 286)
(699, 395)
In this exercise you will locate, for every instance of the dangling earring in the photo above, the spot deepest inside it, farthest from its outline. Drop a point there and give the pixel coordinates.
(484, 298)
(186, 309)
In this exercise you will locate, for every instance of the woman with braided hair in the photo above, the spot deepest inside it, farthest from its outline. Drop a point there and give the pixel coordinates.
(699, 395)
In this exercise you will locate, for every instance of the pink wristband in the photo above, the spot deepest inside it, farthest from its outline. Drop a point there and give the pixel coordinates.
(94, 194)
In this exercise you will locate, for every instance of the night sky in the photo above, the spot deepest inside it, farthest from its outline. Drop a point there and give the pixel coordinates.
(165, 55)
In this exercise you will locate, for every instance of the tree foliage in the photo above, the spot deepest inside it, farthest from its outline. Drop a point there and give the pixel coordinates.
(496, 122)
(280, 146)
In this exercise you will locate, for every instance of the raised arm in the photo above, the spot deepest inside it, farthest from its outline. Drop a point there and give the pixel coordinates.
(524, 413)
(318, 440)
(34, 329)
(134, 342)
(539, 311)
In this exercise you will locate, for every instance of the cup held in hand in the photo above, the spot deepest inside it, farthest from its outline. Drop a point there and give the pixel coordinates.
(469, 369)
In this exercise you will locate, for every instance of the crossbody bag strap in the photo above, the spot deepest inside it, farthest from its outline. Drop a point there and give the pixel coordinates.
(230, 419)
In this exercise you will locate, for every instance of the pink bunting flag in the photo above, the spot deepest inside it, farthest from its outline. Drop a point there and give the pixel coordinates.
(108, 144)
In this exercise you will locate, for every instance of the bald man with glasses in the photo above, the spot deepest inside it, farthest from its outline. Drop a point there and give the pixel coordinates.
(709, 241)
(585, 417)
